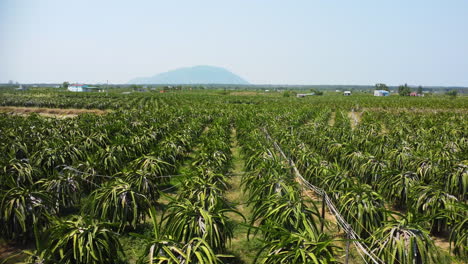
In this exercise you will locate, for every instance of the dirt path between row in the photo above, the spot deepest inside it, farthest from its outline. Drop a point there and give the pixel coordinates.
(242, 248)
(50, 112)
(331, 122)
(355, 118)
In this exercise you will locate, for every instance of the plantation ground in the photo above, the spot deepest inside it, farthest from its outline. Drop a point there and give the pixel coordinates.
(203, 161)
(49, 112)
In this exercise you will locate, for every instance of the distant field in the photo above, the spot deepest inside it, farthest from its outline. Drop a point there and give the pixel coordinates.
(221, 176)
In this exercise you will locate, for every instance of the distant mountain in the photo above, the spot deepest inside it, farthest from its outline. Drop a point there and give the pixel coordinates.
(192, 75)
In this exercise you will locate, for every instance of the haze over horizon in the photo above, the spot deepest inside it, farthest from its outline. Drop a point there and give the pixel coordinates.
(265, 42)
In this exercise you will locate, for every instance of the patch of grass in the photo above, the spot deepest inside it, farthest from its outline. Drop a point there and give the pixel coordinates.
(243, 248)
(134, 247)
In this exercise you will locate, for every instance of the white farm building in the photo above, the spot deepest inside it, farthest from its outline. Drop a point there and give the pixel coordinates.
(83, 88)
(381, 93)
(304, 95)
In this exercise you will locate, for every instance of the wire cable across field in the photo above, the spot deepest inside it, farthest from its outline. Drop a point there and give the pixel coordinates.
(362, 248)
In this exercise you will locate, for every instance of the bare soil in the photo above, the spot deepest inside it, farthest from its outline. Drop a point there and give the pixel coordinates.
(355, 118)
(243, 248)
(331, 122)
(10, 253)
(50, 112)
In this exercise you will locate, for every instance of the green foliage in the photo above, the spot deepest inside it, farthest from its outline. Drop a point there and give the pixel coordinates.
(404, 242)
(452, 93)
(316, 92)
(459, 234)
(152, 164)
(187, 219)
(297, 247)
(286, 209)
(209, 187)
(23, 209)
(145, 184)
(169, 251)
(135, 87)
(162, 248)
(434, 203)
(19, 172)
(457, 182)
(404, 90)
(381, 86)
(397, 187)
(65, 187)
(114, 165)
(118, 202)
(420, 90)
(364, 209)
(82, 240)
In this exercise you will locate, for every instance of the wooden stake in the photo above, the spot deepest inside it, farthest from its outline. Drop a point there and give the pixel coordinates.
(347, 250)
(323, 215)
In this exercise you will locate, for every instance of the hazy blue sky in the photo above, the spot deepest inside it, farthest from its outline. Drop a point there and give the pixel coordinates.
(269, 42)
